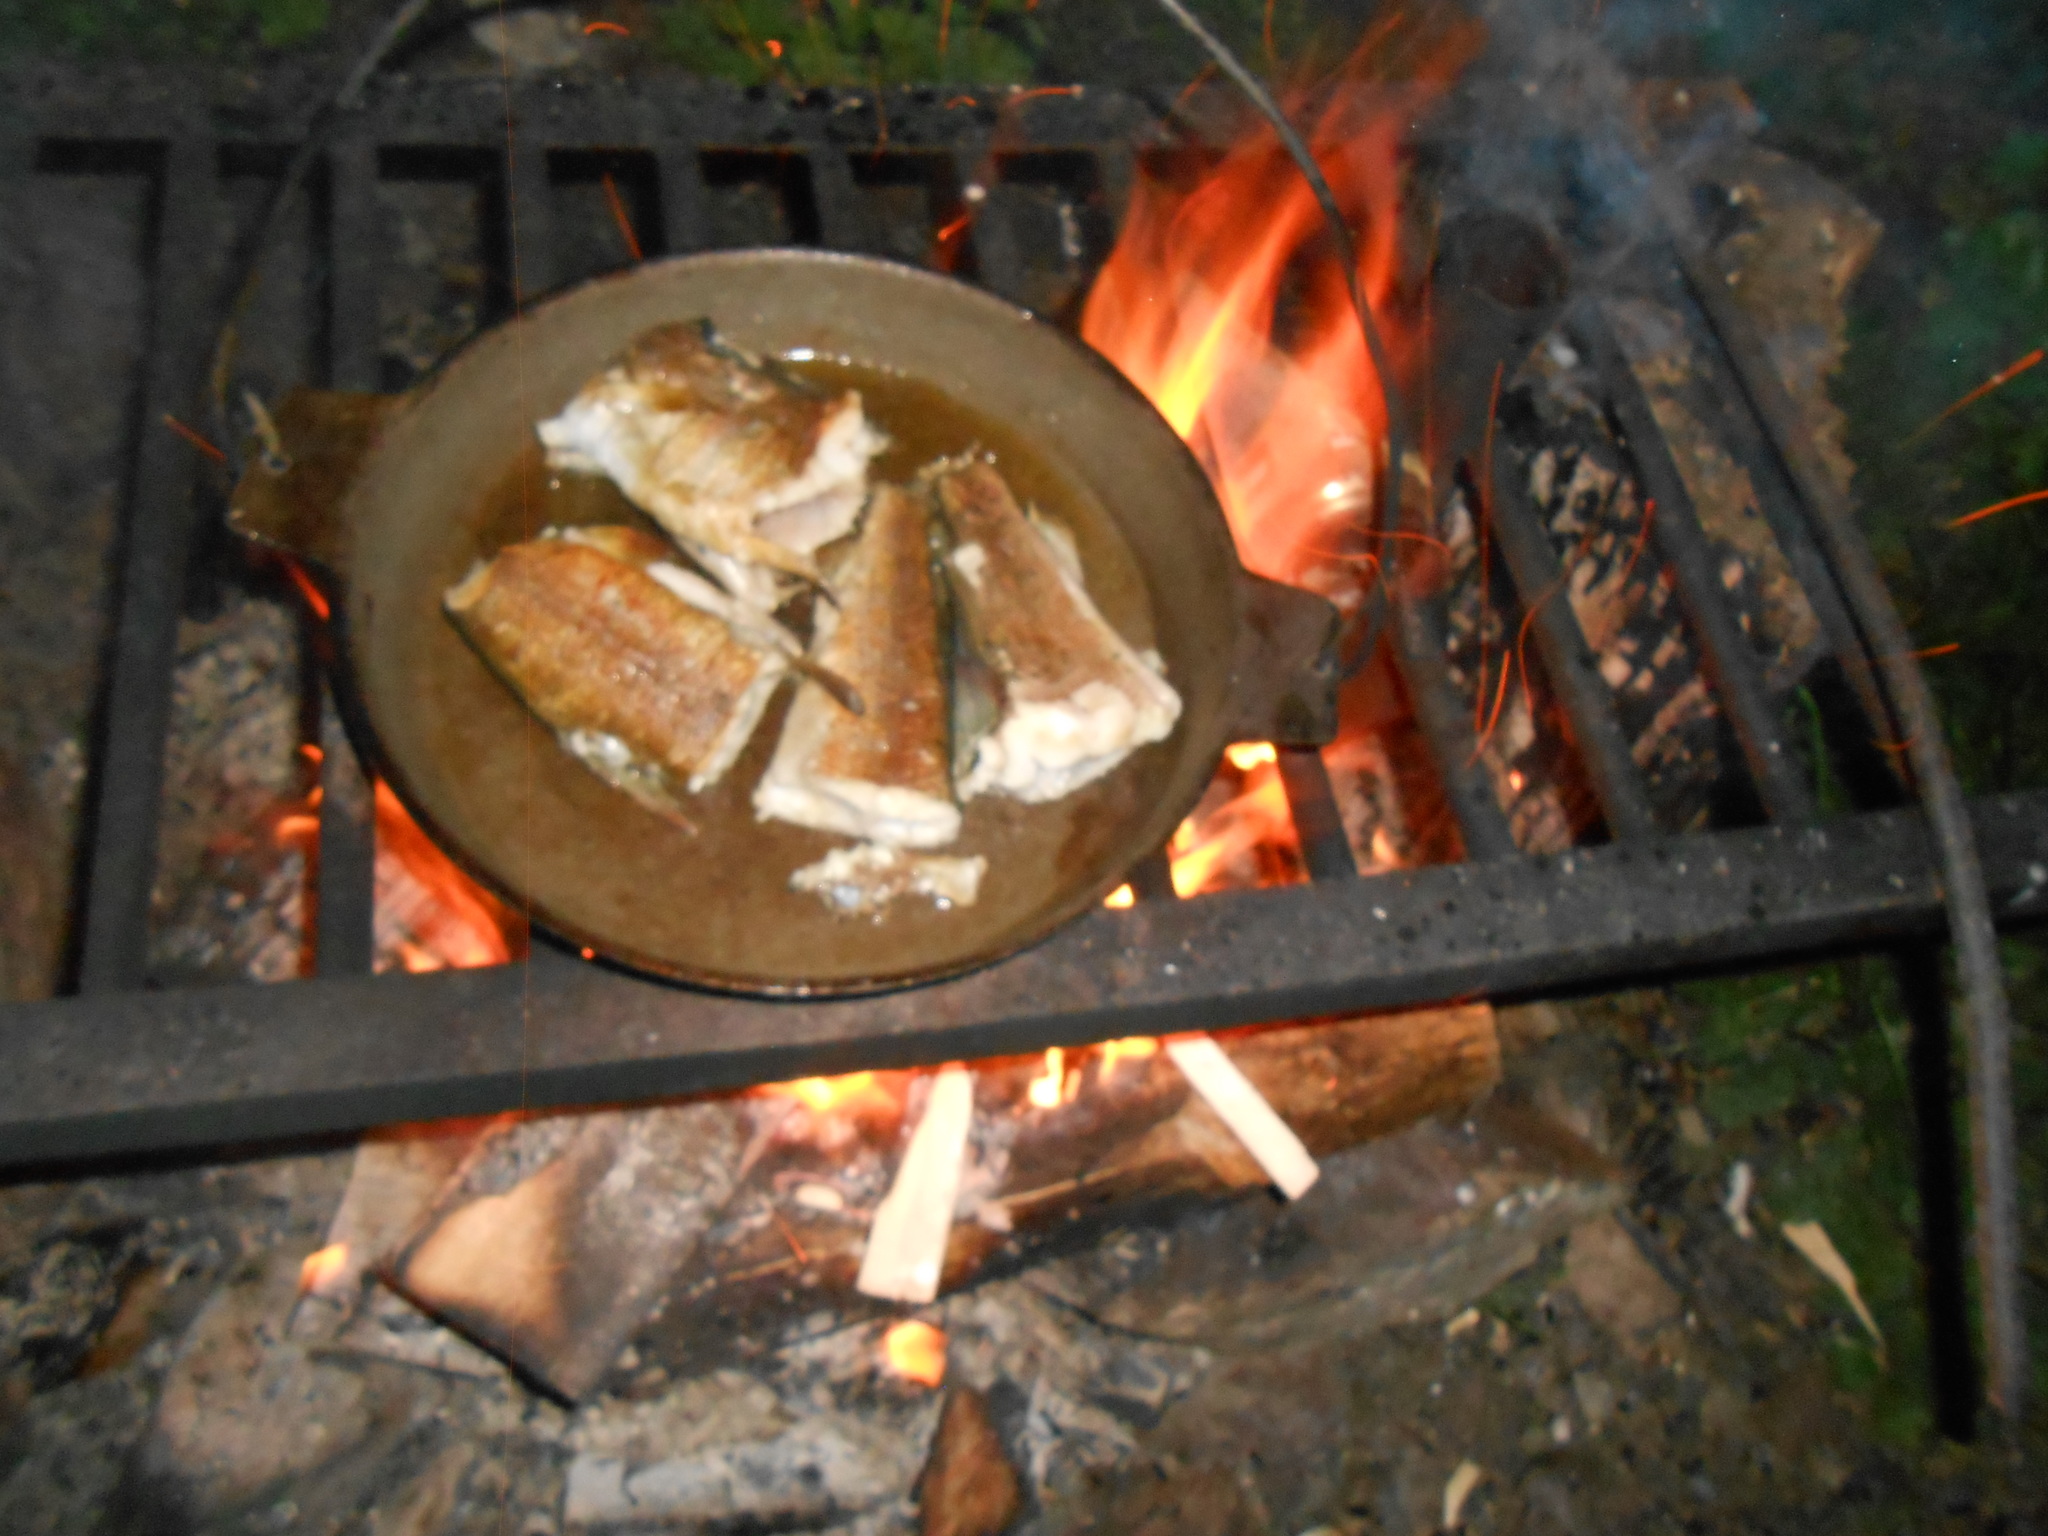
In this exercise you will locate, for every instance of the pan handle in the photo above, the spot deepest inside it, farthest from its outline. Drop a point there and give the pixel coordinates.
(296, 505)
(1285, 675)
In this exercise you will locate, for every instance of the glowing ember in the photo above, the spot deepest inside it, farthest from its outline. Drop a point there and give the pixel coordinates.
(1046, 1091)
(323, 1268)
(1122, 896)
(1247, 755)
(1137, 1048)
(916, 1352)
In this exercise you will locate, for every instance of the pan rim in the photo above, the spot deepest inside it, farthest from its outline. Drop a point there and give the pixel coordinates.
(544, 923)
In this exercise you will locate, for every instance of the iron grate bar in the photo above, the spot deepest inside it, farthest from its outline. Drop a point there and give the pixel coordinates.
(301, 1058)
(129, 765)
(1453, 745)
(1318, 824)
(1728, 658)
(1539, 579)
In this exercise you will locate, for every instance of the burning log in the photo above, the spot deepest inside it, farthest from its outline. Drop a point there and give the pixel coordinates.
(555, 1238)
(1053, 1154)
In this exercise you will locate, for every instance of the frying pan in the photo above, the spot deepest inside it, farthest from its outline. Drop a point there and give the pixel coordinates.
(391, 499)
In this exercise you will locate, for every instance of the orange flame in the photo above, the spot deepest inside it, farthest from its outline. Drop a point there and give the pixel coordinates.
(1137, 1048)
(1049, 1091)
(1122, 896)
(916, 1352)
(323, 1268)
(430, 915)
(1292, 431)
(826, 1093)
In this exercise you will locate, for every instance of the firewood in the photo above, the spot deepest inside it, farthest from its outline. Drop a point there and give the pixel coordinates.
(551, 1243)
(1138, 1134)
(969, 1487)
(906, 1247)
(1247, 1112)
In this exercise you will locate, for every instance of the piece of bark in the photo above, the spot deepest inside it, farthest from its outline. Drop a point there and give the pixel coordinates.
(969, 1487)
(558, 1235)
(906, 1247)
(1249, 1114)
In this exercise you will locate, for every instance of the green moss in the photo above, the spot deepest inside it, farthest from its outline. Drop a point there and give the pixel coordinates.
(852, 42)
(204, 28)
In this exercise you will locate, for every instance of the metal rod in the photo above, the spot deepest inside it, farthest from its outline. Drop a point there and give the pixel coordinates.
(1951, 1376)
(1994, 1150)
(128, 768)
(1318, 824)
(1539, 579)
(1441, 712)
(91, 1076)
(1727, 656)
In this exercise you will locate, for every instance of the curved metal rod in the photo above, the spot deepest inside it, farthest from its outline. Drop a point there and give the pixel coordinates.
(1388, 504)
(346, 96)
(1994, 1150)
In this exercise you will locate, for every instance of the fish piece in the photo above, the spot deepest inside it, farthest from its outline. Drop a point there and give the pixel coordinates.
(647, 689)
(863, 880)
(883, 775)
(748, 469)
(1077, 699)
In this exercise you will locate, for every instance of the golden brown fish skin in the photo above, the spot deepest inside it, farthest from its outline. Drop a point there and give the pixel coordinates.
(1024, 620)
(886, 644)
(592, 643)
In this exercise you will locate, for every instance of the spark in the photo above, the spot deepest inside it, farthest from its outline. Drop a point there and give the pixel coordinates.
(203, 444)
(605, 26)
(961, 101)
(774, 47)
(619, 217)
(1123, 896)
(1998, 380)
(1938, 650)
(1991, 511)
(945, 25)
(789, 1236)
(308, 589)
(1642, 538)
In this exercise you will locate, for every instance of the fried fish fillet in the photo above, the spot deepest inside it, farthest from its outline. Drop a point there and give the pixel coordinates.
(645, 687)
(1077, 699)
(746, 468)
(883, 775)
(865, 879)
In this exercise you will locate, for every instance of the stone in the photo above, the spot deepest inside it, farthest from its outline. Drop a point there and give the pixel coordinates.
(1618, 1286)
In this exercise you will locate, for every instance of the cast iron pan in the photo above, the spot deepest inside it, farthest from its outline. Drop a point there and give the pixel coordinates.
(393, 499)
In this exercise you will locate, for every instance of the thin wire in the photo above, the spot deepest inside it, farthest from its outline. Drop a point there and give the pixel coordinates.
(1388, 505)
(346, 97)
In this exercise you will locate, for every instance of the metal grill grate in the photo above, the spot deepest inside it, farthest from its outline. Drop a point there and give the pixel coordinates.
(121, 1070)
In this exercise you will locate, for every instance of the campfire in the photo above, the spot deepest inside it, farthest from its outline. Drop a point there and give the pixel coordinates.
(1530, 665)
(1223, 302)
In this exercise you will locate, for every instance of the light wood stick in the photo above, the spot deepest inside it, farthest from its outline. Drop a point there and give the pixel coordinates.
(1244, 1109)
(907, 1242)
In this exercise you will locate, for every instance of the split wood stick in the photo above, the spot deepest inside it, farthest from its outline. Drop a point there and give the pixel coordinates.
(907, 1242)
(1244, 1109)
